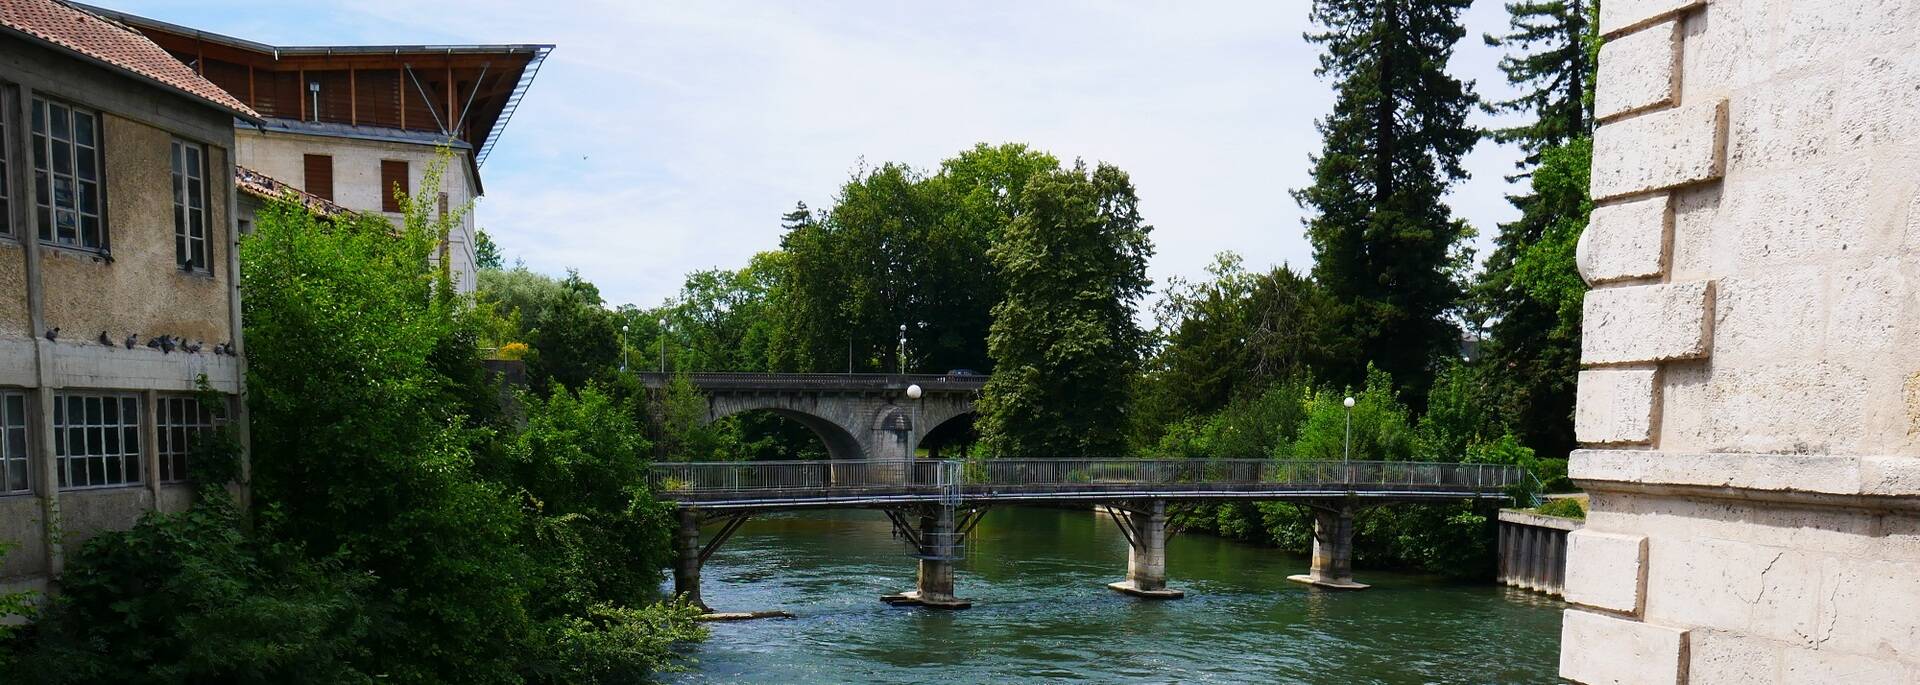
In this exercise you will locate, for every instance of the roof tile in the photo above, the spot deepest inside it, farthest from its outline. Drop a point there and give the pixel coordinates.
(85, 33)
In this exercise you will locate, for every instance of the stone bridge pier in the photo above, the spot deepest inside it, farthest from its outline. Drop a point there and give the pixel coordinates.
(1332, 548)
(1145, 526)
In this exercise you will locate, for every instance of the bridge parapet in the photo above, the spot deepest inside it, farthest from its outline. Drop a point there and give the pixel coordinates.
(823, 382)
(796, 484)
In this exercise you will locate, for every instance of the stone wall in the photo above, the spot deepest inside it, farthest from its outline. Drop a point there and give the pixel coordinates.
(1751, 402)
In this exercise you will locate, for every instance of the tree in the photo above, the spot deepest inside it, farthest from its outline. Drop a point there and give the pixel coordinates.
(486, 254)
(1550, 61)
(574, 338)
(901, 247)
(1531, 291)
(1064, 342)
(1385, 246)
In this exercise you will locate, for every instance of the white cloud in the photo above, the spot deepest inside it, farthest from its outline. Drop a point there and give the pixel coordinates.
(662, 138)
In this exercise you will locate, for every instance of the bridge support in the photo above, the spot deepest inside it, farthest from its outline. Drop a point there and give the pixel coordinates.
(936, 543)
(1332, 548)
(1145, 527)
(689, 555)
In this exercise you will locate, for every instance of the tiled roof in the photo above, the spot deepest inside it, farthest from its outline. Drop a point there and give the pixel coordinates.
(92, 36)
(269, 188)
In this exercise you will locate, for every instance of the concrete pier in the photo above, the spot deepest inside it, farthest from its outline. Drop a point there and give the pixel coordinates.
(1533, 550)
(1332, 549)
(686, 559)
(1146, 530)
(937, 548)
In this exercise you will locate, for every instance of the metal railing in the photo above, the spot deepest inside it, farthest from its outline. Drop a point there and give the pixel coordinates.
(822, 381)
(988, 478)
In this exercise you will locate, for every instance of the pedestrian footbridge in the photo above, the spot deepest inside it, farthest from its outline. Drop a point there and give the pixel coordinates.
(934, 503)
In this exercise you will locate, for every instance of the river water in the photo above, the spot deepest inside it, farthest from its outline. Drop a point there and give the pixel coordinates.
(1042, 613)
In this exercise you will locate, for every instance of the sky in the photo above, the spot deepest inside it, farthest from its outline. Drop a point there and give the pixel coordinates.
(662, 138)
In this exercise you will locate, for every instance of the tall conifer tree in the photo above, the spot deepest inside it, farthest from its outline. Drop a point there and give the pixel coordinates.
(1384, 243)
(1549, 62)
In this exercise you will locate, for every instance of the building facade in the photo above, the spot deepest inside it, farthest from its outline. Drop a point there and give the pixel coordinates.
(357, 124)
(1750, 408)
(118, 304)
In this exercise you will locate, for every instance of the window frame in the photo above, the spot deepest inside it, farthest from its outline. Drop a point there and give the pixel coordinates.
(189, 424)
(16, 442)
(46, 175)
(7, 161)
(179, 153)
(129, 456)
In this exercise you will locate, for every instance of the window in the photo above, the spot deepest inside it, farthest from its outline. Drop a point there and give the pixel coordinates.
(15, 477)
(393, 183)
(6, 178)
(190, 206)
(96, 440)
(66, 175)
(183, 423)
(319, 175)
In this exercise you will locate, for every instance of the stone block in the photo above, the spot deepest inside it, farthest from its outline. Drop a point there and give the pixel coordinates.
(1625, 240)
(1638, 71)
(1890, 476)
(1827, 666)
(1619, 651)
(1724, 658)
(1616, 406)
(1647, 323)
(1660, 150)
(1817, 473)
(1606, 570)
(1619, 16)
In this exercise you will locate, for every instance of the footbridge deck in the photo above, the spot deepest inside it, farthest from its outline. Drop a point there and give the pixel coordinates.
(934, 503)
(853, 483)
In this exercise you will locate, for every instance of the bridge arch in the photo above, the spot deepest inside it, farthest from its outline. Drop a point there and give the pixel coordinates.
(857, 417)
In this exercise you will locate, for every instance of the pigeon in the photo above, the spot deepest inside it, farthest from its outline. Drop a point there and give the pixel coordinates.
(166, 344)
(131, 339)
(154, 343)
(53, 333)
(191, 348)
(104, 340)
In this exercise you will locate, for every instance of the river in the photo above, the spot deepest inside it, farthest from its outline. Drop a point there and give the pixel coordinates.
(1042, 613)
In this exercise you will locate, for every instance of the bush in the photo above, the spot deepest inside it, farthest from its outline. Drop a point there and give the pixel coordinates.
(190, 598)
(1563, 507)
(1381, 431)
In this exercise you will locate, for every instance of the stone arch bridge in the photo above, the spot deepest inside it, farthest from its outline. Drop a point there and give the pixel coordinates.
(857, 416)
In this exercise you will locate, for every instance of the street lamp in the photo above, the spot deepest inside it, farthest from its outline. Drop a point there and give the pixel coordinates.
(623, 346)
(1346, 456)
(903, 349)
(663, 346)
(913, 426)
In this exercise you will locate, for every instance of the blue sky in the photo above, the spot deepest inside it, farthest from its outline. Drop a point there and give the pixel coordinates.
(662, 138)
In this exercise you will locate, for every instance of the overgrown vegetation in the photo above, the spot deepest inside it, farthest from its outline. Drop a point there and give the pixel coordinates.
(402, 528)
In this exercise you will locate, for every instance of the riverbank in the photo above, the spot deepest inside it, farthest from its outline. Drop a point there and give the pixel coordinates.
(1042, 612)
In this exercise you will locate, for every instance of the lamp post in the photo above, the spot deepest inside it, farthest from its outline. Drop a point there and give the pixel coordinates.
(663, 346)
(1346, 455)
(623, 346)
(913, 425)
(903, 349)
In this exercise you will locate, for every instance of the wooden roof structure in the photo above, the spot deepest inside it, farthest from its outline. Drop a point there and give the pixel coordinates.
(464, 93)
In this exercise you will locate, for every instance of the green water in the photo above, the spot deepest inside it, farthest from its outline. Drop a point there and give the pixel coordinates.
(1042, 613)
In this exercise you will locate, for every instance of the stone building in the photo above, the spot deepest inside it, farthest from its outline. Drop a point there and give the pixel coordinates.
(351, 124)
(1750, 408)
(117, 295)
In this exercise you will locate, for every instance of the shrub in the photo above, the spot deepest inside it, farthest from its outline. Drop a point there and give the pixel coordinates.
(1563, 507)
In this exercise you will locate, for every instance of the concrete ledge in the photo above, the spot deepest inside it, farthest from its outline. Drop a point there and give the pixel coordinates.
(912, 598)
(1528, 518)
(1127, 587)
(1619, 16)
(1328, 584)
(1890, 476)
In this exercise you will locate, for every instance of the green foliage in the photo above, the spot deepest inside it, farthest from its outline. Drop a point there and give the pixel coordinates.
(190, 598)
(1251, 428)
(1236, 334)
(1458, 415)
(680, 426)
(900, 246)
(486, 254)
(1532, 291)
(1385, 245)
(1064, 342)
(1563, 507)
(1550, 60)
(1381, 429)
(613, 644)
